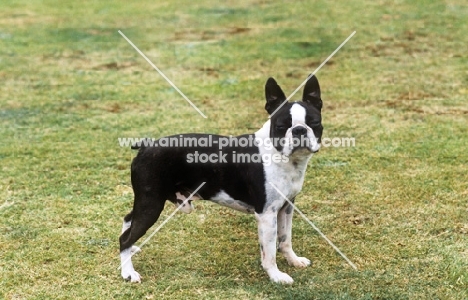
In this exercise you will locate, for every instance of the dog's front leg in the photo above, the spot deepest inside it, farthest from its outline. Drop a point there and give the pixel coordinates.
(267, 233)
(285, 216)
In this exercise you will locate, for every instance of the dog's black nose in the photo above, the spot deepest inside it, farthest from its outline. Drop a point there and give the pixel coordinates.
(299, 131)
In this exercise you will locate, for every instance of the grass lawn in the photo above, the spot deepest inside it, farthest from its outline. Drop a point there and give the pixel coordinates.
(395, 203)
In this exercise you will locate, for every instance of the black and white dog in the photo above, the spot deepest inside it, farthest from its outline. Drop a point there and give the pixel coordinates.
(239, 172)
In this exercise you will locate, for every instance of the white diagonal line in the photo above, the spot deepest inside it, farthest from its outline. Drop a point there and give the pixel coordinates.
(315, 227)
(6, 204)
(164, 223)
(313, 73)
(162, 74)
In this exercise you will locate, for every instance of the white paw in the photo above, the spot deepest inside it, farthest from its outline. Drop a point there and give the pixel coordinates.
(299, 262)
(280, 277)
(131, 276)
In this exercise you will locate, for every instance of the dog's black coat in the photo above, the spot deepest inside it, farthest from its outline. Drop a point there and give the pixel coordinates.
(162, 169)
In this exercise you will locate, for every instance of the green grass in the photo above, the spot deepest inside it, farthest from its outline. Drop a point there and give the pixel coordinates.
(396, 203)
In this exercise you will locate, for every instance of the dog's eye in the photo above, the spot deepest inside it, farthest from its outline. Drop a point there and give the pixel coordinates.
(313, 122)
(280, 128)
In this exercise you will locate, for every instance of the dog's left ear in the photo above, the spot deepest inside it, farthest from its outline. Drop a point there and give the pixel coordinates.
(311, 93)
(274, 95)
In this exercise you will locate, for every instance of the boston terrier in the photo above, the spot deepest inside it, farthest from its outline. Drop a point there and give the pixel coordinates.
(243, 172)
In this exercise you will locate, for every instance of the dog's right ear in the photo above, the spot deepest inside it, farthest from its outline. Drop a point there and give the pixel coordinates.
(274, 95)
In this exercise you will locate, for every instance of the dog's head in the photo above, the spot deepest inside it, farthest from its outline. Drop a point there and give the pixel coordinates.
(295, 126)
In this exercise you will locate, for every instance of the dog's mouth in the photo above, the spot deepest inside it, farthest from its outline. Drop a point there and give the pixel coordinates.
(306, 149)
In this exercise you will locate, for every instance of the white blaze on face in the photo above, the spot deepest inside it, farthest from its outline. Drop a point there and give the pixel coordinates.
(298, 114)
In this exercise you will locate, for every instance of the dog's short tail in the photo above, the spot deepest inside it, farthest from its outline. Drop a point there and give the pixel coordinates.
(143, 143)
(136, 146)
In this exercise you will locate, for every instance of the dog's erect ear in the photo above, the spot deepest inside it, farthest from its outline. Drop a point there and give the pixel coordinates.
(312, 93)
(274, 95)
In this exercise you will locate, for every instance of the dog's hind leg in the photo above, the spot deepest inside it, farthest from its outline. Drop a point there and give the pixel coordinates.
(145, 213)
(126, 225)
(127, 222)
